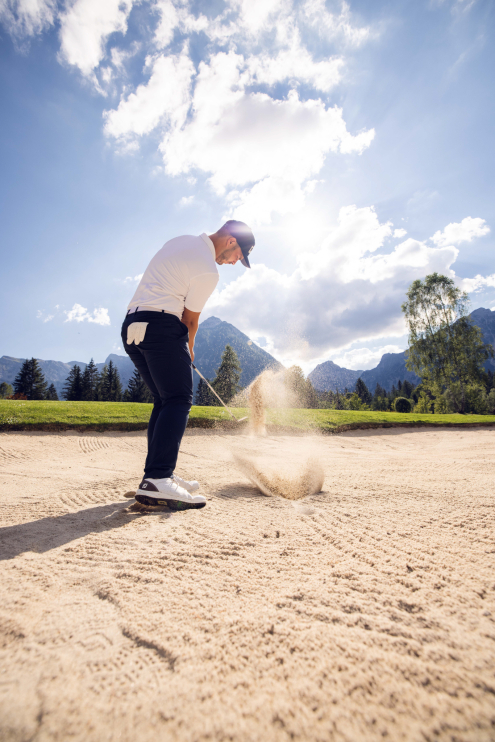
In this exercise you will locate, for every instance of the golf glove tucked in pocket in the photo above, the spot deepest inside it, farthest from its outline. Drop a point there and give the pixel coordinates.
(136, 332)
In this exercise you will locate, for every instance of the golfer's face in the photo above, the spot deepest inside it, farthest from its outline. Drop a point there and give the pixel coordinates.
(230, 256)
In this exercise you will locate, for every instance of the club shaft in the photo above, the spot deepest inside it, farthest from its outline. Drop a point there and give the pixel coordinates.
(214, 392)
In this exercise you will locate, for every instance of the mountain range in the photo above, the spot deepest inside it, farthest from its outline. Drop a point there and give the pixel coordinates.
(392, 367)
(212, 337)
(214, 334)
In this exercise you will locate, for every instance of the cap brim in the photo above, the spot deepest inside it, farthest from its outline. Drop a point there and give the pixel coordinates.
(245, 262)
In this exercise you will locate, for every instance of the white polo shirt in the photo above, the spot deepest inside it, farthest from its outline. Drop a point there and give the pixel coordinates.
(182, 274)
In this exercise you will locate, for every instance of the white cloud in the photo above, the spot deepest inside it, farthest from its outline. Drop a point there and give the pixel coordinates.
(211, 118)
(255, 13)
(363, 358)
(186, 201)
(165, 98)
(338, 295)
(24, 18)
(477, 283)
(79, 313)
(133, 279)
(45, 318)
(334, 26)
(458, 232)
(228, 122)
(398, 233)
(169, 20)
(296, 63)
(218, 120)
(85, 28)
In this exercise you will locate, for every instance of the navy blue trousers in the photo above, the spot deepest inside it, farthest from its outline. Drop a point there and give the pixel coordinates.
(164, 362)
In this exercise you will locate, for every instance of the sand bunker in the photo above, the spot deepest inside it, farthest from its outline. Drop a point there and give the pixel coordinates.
(283, 476)
(366, 613)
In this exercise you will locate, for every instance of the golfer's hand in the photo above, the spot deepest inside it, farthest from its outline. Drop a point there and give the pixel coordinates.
(192, 355)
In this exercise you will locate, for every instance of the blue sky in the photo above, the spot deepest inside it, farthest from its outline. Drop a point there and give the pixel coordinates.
(355, 138)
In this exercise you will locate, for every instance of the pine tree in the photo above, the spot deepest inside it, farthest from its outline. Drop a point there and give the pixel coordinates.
(51, 393)
(137, 391)
(90, 381)
(30, 380)
(204, 396)
(407, 389)
(362, 391)
(73, 385)
(226, 382)
(110, 385)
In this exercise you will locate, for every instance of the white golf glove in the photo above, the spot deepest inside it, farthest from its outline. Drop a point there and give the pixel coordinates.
(136, 332)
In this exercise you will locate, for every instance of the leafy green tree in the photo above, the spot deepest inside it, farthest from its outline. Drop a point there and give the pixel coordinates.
(204, 397)
(137, 391)
(354, 402)
(445, 348)
(301, 389)
(72, 391)
(424, 404)
(51, 393)
(90, 382)
(30, 380)
(402, 404)
(110, 388)
(226, 382)
(6, 390)
(362, 391)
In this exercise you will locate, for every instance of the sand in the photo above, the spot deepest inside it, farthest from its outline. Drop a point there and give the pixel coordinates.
(366, 612)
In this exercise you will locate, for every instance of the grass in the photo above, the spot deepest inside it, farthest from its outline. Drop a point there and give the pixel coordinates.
(32, 415)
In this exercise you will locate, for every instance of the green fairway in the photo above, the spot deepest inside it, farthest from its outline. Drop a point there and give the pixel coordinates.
(26, 415)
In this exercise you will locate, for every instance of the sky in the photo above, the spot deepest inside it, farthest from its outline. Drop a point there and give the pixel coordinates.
(355, 138)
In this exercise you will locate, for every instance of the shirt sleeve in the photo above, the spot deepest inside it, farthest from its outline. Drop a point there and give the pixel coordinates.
(200, 290)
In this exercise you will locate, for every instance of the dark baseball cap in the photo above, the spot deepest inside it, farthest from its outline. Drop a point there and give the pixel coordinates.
(244, 236)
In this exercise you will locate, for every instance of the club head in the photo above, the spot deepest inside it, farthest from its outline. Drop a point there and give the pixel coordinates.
(241, 419)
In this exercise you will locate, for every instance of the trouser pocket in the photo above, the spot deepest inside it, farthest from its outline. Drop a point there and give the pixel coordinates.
(136, 332)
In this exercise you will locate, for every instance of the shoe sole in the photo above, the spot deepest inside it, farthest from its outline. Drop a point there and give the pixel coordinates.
(171, 504)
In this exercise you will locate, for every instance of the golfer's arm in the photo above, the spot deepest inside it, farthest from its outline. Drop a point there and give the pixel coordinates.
(191, 319)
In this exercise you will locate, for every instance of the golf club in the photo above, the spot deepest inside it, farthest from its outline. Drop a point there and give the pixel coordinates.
(216, 395)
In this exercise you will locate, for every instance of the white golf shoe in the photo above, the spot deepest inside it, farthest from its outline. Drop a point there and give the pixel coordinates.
(191, 486)
(167, 492)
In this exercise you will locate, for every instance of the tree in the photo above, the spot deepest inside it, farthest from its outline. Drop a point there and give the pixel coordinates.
(110, 386)
(90, 382)
(226, 382)
(362, 391)
(137, 391)
(51, 393)
(204, 397)
(407, 389)
(300, 388)
(6, 390)
(445, 348)
(380, 400)
(30, 380)
(73, 385)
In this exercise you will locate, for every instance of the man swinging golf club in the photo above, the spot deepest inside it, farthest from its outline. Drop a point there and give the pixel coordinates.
(158, 335)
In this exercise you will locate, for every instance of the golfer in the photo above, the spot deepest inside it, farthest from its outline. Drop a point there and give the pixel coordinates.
(158, 335)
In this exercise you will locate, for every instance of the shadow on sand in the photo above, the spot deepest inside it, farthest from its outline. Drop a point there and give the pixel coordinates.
(49, 533)
(239, 489)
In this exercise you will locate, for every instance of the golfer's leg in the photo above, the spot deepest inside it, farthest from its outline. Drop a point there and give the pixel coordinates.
(138, 359)
(170, 368)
